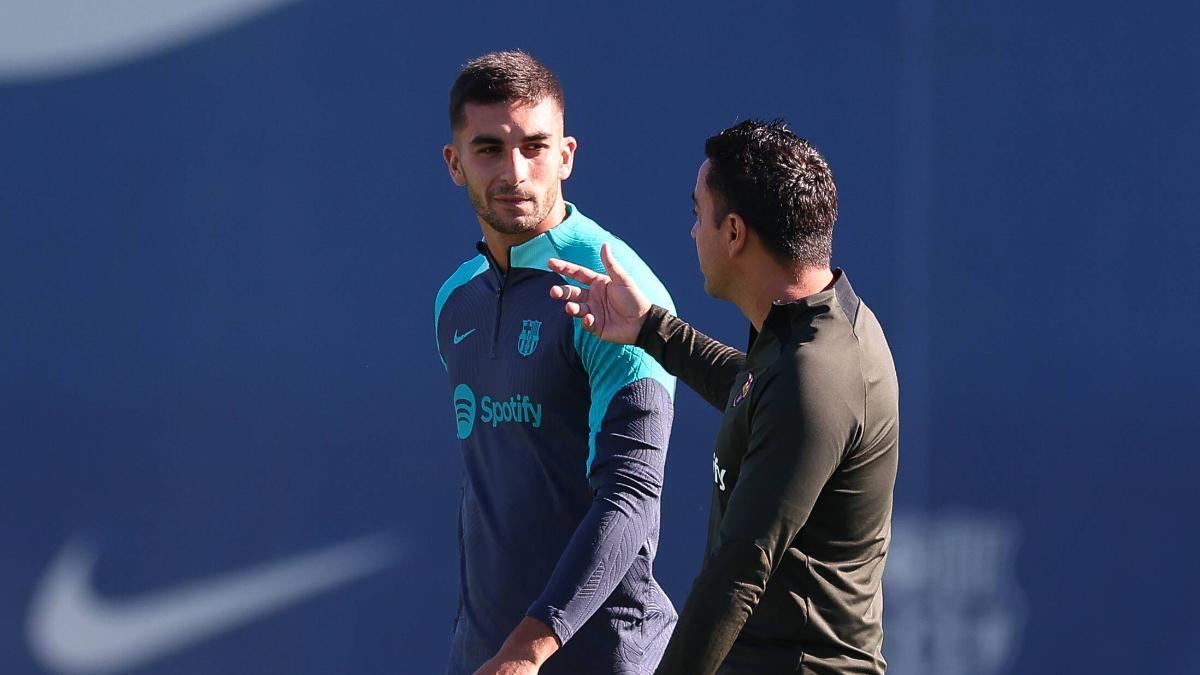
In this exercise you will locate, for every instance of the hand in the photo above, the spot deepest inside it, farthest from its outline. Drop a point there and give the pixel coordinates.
(524, 651)
(612, 307)
(499, 665)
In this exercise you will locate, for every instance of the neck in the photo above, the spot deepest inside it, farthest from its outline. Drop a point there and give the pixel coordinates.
(769, 284)
(499, 243)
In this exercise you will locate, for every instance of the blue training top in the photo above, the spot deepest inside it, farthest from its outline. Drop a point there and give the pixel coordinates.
(564, 438)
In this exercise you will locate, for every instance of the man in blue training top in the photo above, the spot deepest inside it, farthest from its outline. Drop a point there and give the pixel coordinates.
(563, 436)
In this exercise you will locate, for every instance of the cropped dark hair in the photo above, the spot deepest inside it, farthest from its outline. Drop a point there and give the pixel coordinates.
(501, 77)
(781, 187)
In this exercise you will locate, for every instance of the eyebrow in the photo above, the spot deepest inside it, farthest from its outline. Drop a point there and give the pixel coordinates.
(484, 139)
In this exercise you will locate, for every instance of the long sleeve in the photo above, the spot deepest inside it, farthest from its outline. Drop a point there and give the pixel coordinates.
(797, 437)
(704, 364)
(630, 424)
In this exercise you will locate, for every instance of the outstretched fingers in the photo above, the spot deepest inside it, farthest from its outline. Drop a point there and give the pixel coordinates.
(568, 292)
(577, 272)
(610, 263)
(581, 310)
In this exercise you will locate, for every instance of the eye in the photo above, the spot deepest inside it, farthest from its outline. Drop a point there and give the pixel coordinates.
(488, 150)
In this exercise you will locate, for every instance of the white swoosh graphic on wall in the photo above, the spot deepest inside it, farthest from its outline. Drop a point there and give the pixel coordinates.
(73, 630)
(40, 39)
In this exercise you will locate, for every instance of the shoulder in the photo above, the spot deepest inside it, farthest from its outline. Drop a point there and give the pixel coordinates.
(611, 366)
(579, 241)
(818, 373)
(465, 272)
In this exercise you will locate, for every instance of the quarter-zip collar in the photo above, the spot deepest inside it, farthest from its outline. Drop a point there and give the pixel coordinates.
(531, 254)
(501, 278)
(786, 320)
(486, 252)
(535, 252)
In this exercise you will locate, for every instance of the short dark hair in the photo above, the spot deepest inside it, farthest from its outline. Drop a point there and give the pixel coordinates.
(501, 77)
(781, 187)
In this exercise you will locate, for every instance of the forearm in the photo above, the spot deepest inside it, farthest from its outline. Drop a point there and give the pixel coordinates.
(630, 425)
(597, 558)
(704, 364)
(722, 599)
(530, 642)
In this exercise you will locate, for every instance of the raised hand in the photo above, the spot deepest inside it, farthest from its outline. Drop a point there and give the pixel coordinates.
(611, 307)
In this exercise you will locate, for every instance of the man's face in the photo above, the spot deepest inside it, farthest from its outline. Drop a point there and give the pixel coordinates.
(512, 157)
(708, 235)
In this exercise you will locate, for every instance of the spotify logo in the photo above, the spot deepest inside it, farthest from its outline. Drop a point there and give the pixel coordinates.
(464, 410)
(517, 410)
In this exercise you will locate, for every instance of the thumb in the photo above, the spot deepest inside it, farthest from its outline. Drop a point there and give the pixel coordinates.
(610, 263)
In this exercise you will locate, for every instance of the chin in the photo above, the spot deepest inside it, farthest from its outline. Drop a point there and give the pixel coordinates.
(519, 226)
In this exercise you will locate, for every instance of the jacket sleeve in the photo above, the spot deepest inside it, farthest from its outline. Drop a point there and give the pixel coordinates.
(704, 364)
(630, 423)
(798, 434)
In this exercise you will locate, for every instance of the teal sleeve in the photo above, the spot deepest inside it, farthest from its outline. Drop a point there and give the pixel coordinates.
(612, 367)
(629, 428)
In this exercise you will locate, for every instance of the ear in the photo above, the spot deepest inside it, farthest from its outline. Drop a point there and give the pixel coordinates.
(737, 235)
(568, 147)
(450, 154)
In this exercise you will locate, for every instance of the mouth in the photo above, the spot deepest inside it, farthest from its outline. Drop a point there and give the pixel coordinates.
(512, 200)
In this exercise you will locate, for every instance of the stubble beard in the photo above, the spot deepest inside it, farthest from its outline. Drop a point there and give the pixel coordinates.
(712, 287)
(543, 204)
(708, 284)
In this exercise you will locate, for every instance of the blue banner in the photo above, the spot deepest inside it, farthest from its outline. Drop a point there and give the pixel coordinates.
(228, 445)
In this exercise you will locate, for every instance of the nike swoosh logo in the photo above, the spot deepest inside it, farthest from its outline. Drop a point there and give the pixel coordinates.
(40, 39)
(74, 631)
(459, 338)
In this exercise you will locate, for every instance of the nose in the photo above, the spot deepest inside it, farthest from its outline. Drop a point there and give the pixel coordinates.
(516, 170)
(695, 226)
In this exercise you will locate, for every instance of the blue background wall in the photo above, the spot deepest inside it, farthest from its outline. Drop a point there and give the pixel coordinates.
(218, 259)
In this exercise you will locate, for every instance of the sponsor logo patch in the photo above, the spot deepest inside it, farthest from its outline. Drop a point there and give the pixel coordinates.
(516, 409)
(464, 410)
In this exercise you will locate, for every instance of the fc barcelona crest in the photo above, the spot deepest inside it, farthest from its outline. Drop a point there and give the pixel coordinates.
(745, 390)
(528, 340)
